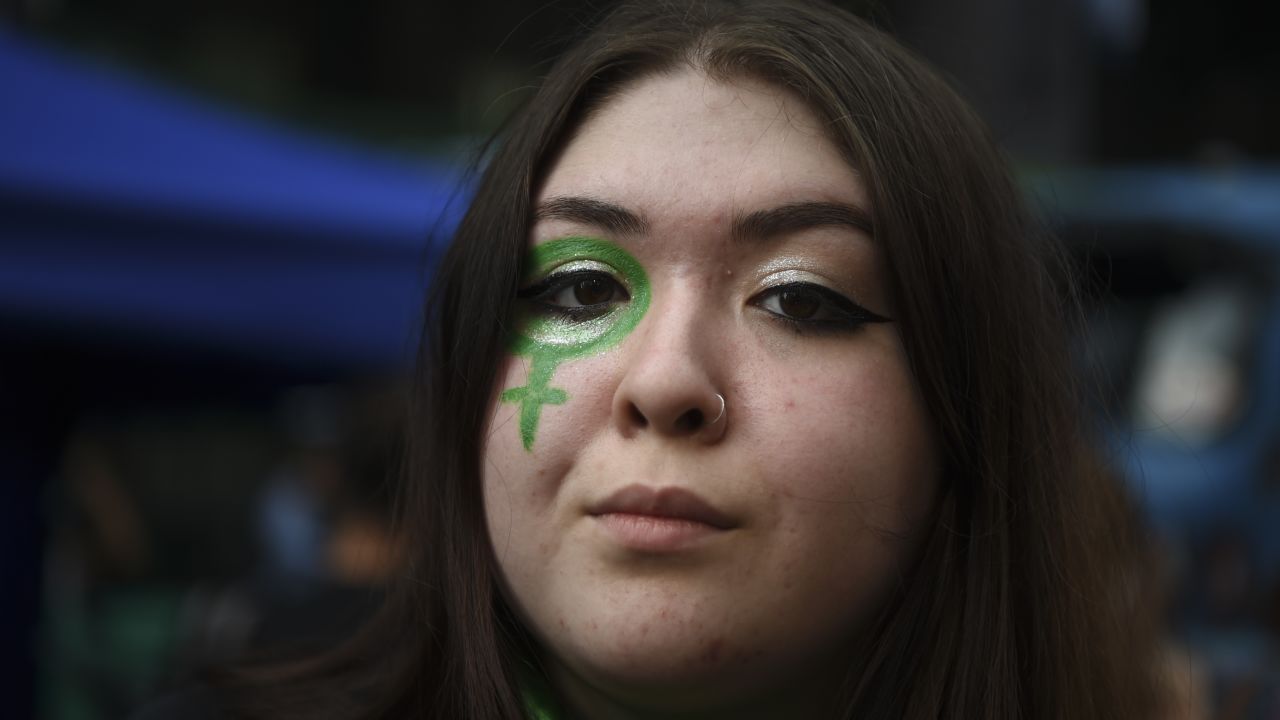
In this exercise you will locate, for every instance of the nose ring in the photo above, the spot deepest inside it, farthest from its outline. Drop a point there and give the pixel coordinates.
(721, 415)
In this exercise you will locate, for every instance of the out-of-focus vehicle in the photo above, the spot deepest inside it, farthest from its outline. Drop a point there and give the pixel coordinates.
(1182, 276)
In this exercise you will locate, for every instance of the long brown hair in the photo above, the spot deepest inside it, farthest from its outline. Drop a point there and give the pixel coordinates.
(1025, 601)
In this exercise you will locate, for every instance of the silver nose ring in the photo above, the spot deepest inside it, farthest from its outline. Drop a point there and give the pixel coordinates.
(722, 406)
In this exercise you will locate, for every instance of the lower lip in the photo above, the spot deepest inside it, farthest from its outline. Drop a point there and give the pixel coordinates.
(650, 533)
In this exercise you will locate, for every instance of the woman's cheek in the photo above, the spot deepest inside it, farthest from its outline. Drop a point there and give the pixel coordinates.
(525, 481)
(854, 430)
(565, 429)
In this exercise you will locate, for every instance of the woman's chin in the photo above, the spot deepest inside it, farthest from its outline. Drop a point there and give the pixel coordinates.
(649, 663)
(647, 657)
(678, 638)
(670, 672)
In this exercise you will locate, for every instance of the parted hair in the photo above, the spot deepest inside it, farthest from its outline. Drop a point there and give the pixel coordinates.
(1028, 600)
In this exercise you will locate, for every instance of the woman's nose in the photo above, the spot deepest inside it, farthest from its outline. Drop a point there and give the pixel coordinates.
(672, 385)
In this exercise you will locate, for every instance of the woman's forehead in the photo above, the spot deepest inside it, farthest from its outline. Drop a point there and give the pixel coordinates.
(683, 147)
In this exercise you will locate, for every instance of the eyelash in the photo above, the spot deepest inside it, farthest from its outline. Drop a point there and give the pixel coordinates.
(542, 291)
(849, 316)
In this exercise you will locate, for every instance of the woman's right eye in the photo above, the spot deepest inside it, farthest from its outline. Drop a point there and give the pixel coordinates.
(576, 295)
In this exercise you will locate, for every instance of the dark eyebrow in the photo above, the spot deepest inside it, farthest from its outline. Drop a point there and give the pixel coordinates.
(794, 217)
(591, 211)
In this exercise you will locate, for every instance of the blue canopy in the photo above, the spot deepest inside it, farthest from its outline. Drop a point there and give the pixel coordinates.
(137, 219)
(141, 215)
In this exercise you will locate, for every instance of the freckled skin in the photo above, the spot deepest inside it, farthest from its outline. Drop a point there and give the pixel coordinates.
(825, 461)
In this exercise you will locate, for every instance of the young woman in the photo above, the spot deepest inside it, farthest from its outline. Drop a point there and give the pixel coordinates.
(745, 392)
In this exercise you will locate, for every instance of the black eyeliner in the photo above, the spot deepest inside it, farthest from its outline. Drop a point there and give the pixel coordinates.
(556, 282)
(850, 309)
(850, 315)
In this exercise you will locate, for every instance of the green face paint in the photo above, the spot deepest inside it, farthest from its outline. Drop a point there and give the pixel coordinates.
(548, 338)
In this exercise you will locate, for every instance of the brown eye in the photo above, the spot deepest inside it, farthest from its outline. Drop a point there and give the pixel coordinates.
(798, 304)
(576, 295)
(593, 290)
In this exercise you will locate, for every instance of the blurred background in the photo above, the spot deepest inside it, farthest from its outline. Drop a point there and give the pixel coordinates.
(217, 220)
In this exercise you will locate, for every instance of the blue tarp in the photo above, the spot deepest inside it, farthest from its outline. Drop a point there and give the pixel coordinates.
(138, 219)
(137, 214)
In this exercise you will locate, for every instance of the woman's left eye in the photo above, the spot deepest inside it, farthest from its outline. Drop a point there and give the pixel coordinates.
(577, 295)
(808, 306)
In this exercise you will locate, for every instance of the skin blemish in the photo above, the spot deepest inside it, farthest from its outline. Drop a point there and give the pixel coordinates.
(547, 340)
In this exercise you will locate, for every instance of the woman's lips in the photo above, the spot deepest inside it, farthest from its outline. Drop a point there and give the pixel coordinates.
(657, 520)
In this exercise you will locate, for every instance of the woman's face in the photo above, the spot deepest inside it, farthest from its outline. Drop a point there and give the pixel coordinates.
(699, 240)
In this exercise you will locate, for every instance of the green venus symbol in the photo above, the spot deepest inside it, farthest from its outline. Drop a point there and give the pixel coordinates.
(548, 339)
